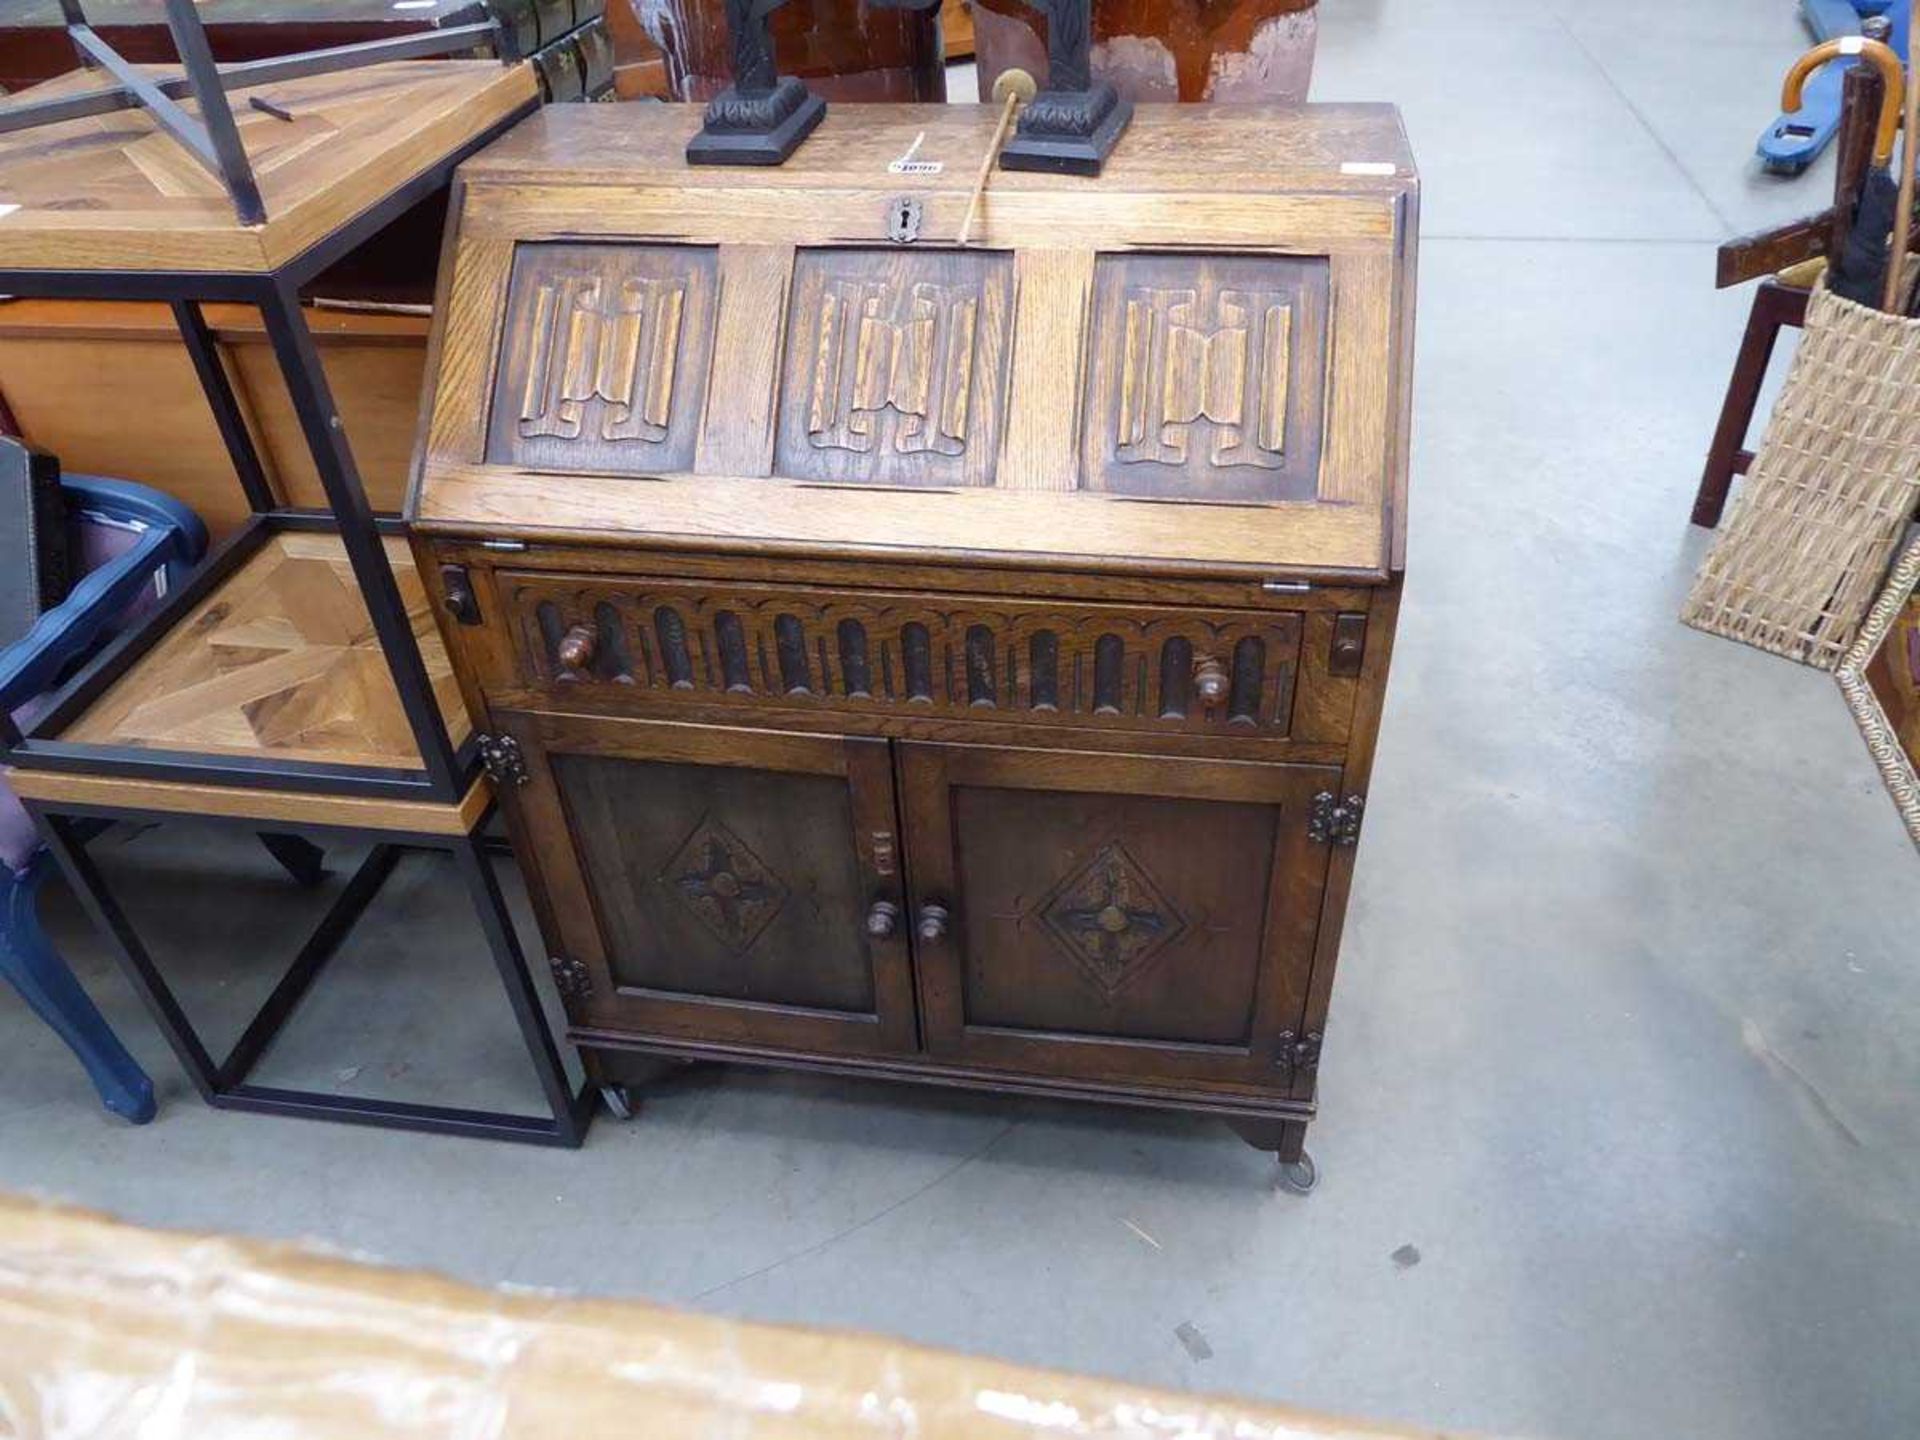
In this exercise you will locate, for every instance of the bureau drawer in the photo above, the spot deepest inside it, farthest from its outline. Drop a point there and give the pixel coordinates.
(1035, 662)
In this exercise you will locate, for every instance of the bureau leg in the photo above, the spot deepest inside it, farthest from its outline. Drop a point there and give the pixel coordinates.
(1287, 1139)
(622, 1078)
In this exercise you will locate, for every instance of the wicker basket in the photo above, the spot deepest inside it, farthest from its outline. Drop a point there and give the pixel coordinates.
(1835, 480)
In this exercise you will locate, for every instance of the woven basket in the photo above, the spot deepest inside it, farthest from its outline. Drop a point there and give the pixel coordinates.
(1798, 564)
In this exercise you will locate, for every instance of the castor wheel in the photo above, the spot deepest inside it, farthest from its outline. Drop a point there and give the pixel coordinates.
(1298, 1177)
(619, 1101)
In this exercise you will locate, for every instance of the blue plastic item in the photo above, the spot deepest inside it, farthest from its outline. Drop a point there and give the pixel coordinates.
(1793, 142)
(172, 539)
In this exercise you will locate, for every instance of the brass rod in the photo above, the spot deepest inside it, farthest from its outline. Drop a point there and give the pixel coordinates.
(986, 164)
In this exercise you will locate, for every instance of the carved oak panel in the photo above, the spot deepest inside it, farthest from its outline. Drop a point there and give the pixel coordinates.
(1207, 377)
(896, 366)
(722, 882)
(604, 358)
(1115, 915)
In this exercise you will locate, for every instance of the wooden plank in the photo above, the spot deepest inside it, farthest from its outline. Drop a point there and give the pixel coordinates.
(1276, 222)
(737, 438)
(978, 525)
(240, 803)
(1049, 359)
(1360, 410)
(1339, 149)
(465, 340)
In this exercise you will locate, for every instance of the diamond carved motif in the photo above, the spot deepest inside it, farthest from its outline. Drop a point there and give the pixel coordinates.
(725, 884)
(1111, 918)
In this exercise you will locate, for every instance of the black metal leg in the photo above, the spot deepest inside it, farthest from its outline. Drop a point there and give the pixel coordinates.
(571, 1110)
(326, 438)
(218, 388)
(229, 152)
(225, 1085)
(340, 918)
(298, 856)
(105, 99)
(83, 876)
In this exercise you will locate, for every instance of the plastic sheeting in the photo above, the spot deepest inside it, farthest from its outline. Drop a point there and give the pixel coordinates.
(110, 1330)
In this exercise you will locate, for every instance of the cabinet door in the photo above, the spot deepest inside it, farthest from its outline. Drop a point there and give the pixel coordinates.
(1112, 916)
(727, 886)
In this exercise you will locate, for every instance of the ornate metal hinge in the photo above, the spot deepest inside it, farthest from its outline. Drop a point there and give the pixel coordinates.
(572, 979)
(501, 758)
(1297, 1055)
(1334, 821)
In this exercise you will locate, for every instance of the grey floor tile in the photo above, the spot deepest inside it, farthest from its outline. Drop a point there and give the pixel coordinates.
(1518, 131)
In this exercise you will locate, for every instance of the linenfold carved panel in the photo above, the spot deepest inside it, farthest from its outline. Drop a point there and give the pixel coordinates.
(1206, 377)
(895, 366)
(604, 358)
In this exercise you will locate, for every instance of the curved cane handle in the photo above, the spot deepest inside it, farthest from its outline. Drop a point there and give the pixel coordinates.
(1881, 57)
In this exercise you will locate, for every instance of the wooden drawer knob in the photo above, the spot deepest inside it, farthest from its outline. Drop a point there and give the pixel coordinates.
(577, 649)
(1210, 680)
(883, 919)
(933, 923)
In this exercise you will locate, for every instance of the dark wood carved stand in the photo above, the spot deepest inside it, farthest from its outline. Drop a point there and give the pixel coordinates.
(1071, 126)
(761, 118)
(950, 665)
(288, 685)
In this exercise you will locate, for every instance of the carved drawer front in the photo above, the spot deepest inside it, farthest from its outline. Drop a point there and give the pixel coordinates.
(1039, 662)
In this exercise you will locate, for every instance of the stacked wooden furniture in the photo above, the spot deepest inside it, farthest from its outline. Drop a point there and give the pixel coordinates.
(296, 683)
(58, 356)
(958, 665)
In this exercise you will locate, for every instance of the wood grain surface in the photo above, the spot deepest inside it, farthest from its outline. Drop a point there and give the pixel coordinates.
(114, 192)
(58, 788)
(280, 661)
(1199, 360)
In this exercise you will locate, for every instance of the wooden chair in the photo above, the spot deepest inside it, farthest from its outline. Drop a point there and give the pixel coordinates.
(1775, 306)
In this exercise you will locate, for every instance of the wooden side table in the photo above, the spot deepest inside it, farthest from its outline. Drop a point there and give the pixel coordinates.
(297, 678)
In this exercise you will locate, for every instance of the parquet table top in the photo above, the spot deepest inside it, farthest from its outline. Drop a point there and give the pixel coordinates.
(114, 192)
(280, 662)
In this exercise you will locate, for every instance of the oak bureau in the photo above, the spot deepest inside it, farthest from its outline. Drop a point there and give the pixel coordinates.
(935, 663)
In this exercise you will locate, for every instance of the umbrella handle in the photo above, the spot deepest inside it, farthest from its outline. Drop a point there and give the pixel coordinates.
(1882, 57)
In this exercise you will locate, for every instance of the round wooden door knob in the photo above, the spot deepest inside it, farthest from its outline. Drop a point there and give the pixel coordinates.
(577, 648)
(933, 923)
(883, 919)
(1210, 680)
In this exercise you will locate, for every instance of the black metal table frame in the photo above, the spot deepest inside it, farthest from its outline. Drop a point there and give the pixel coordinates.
(446, 771)
(445, 775)
(225, 1083)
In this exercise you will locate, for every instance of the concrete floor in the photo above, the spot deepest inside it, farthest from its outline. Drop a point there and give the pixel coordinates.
(1619, 1130)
